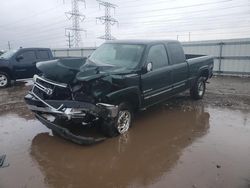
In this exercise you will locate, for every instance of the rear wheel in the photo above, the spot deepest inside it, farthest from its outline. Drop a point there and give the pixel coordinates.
(121, 123)
(4, 80)
(198, 89)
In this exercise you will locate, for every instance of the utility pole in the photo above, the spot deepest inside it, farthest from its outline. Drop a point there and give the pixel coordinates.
(9, 47)
(75, 16)
(189, 36)
(69, 39)
(107, 20)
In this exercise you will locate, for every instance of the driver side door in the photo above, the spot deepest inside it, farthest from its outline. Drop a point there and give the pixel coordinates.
(25, 64)
(156, 84)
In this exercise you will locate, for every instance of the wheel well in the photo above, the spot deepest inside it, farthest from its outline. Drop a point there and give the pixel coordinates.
(204, 73)
(7, 71)
(131, 98)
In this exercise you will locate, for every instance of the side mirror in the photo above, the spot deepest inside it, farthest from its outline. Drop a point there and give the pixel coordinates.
(149, 66)
(20, 57)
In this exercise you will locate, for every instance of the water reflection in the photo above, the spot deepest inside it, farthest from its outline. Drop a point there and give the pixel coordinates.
(139, 158)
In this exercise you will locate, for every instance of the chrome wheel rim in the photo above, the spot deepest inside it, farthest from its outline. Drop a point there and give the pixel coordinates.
(123, 122)
(3, 80)
(201, 88)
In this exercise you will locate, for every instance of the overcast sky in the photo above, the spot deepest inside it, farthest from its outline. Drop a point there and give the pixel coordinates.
(29, 23)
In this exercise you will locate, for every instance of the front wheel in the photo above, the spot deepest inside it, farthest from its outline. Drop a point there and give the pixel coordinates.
(198, 89)
(4, 80)
(121, 123)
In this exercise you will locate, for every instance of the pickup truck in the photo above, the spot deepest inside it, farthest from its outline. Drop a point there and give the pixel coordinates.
(21, 63)
(118, 79)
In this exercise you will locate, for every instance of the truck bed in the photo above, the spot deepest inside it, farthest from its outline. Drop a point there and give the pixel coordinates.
(196, 62)
(191, 56)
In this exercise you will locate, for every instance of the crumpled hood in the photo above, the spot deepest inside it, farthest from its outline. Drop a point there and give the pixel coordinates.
(67, 70)
(91, 70)
(61, 70)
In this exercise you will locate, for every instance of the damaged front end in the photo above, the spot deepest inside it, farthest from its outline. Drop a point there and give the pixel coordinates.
(56, 99)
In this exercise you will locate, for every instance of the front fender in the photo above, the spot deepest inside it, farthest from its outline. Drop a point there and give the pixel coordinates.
(131, 94)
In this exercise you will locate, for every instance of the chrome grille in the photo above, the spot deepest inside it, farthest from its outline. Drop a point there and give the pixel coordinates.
(47, 89)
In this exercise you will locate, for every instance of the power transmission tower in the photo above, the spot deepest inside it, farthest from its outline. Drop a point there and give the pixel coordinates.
(69, 39)
(107, 19)
(76, 18)
(9, 46)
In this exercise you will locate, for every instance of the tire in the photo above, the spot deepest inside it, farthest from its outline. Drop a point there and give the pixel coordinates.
(198, 89)
(121, 123)
(4, 80)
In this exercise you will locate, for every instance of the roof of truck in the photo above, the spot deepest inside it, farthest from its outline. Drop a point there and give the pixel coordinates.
(36, 48)
(141, 41)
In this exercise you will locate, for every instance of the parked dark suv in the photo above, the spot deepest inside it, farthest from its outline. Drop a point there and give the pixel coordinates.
(21, 63)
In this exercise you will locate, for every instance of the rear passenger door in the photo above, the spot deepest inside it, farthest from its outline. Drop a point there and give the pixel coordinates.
(156, 84)
(179, 67)
(42, 55)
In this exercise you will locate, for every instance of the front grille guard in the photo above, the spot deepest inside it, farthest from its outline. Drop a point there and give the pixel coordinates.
(58, 110)
(46, 90)
(36, 77)
(62, 109)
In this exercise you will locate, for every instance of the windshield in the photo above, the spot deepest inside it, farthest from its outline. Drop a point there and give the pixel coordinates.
(8, 54)
(121, 55)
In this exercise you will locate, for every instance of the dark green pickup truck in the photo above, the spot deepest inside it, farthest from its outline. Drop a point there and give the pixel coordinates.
(118, 79)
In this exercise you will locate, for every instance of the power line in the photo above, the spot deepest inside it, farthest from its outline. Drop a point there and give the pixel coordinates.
(107, 19)
(213, 29)
(76, 18)
(47, 36)
(183, 23)
(43, 21)
(149, 23)
(30, 16)
(179, 7)
(193, 32)
(187, 13)
(189, 21)
(123, 23)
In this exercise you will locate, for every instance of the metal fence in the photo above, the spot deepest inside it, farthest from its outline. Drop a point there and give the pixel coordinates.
(231, 56)
(73, 52)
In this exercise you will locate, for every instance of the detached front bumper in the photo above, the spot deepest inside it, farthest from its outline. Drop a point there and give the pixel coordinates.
(83, 111)
(70, 109)
(65, 133)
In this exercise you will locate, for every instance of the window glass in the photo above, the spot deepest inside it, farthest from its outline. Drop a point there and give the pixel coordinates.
(42, 54)
(176, 52)
(158, 56)
(8, 54)
(121, 55)
(28, 55)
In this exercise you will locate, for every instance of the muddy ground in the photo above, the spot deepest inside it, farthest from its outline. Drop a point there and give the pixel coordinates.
(181, 143)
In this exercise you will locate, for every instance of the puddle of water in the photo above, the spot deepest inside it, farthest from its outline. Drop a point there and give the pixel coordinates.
(200, 147)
